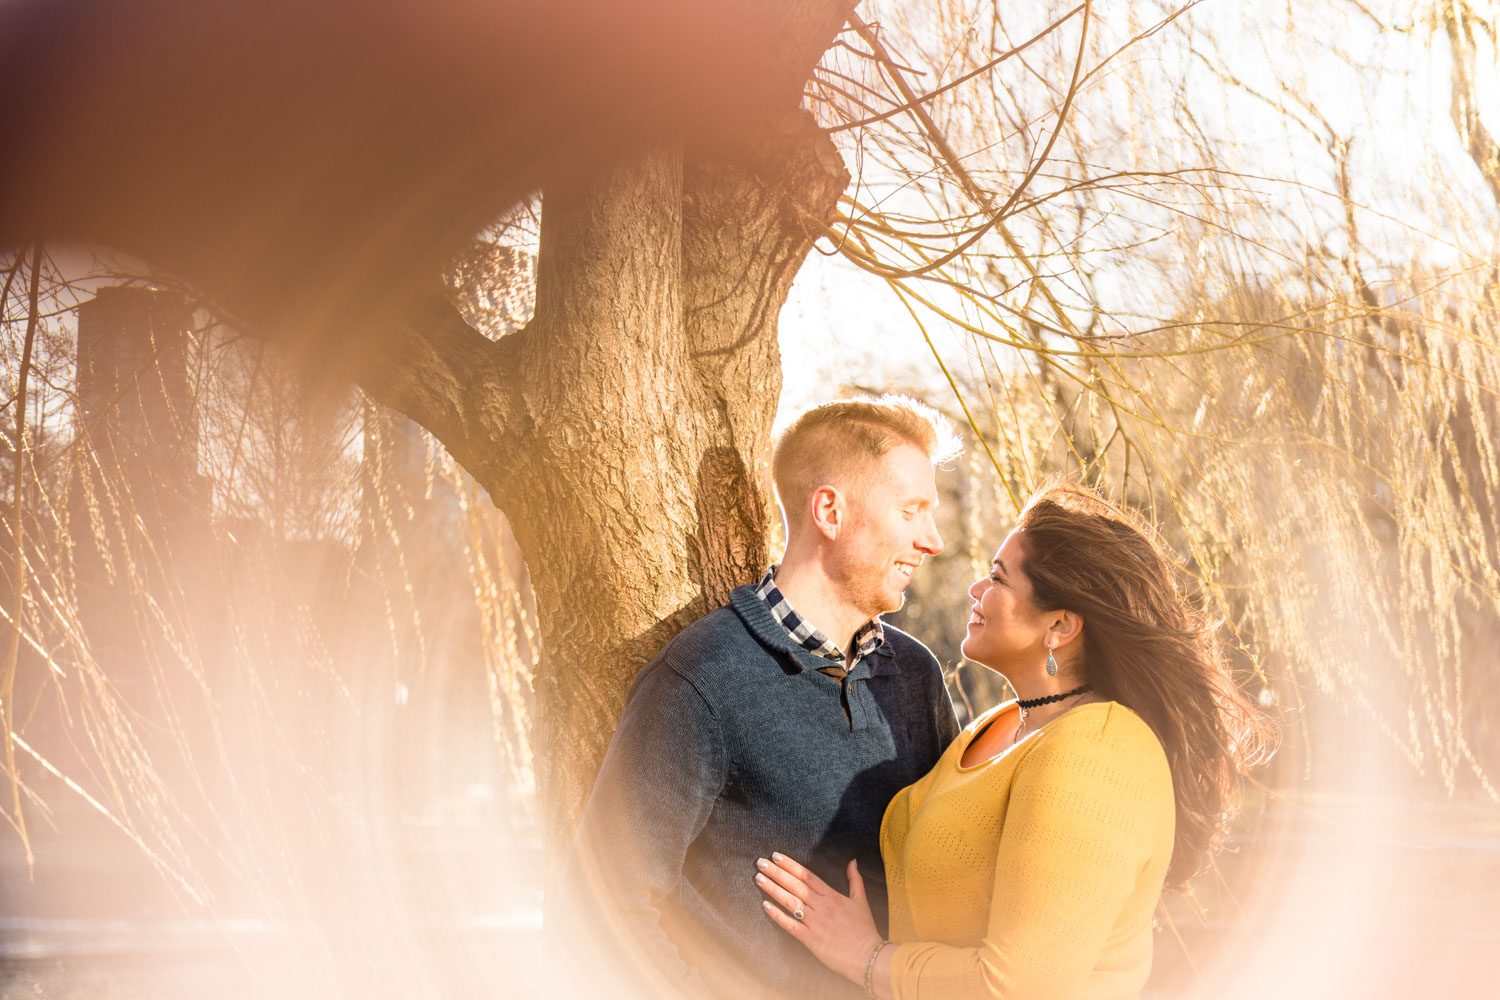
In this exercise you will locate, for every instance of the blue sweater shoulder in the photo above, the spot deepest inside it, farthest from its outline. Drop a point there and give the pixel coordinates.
(907, 648)
(700, 653)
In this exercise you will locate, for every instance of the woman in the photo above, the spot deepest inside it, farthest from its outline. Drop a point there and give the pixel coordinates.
(1029, 861)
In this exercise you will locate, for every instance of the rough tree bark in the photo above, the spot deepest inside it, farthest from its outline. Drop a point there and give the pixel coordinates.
(624, 432)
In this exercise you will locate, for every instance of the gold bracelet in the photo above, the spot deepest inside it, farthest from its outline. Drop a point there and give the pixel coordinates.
(870, 968)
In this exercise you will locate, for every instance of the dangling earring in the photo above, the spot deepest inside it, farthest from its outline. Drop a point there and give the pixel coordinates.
(1051, 663)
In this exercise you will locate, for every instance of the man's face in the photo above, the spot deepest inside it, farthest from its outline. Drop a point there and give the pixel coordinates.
(889, 531)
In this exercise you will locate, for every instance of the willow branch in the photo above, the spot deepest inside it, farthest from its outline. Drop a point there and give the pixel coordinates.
(1482, 147)
(965, 78)
(18, 576)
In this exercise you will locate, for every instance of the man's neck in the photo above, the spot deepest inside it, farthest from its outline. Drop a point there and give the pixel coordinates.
(819, 600)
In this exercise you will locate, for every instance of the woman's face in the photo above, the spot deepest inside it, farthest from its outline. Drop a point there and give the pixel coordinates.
(1007, 631)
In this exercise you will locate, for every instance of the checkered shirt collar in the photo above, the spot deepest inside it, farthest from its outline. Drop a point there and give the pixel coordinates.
(868, 638)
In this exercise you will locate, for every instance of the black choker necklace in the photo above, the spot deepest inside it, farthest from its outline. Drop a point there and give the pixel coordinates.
(1029, 703)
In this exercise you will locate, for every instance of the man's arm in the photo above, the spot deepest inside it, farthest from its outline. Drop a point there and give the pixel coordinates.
(656, 788)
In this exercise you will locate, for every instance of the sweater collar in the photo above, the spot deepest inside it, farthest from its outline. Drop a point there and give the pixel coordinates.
(866, 639)
(764, 626)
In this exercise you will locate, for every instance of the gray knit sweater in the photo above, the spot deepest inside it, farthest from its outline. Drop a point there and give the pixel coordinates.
(733, 745)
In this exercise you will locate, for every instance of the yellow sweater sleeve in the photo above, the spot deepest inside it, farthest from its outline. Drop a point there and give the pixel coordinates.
(1084, 817)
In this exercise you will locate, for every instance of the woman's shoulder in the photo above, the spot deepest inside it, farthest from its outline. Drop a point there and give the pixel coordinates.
(1100, 768)
(984, 718)
(1104, 728)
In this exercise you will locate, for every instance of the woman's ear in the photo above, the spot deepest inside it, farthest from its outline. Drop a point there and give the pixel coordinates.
(1065, 627)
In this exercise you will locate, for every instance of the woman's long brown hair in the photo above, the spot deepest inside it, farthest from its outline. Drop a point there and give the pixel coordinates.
(1147, 647)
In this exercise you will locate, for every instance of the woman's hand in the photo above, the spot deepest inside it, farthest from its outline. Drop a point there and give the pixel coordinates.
(837, 929)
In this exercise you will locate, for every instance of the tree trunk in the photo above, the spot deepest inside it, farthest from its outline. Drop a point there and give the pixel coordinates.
(625, 432)
(649, 386)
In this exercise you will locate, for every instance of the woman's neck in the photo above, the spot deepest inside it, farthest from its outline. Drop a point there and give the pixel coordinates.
(1033, 719)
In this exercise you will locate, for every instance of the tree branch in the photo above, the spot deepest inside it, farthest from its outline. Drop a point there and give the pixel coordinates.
(19, 573)
(1458, 21)
(958, 81)
(435, 368)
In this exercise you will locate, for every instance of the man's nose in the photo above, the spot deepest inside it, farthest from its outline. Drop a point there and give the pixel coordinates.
(930, 542)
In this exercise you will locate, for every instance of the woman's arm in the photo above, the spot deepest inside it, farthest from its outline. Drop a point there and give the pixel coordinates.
(839, 930)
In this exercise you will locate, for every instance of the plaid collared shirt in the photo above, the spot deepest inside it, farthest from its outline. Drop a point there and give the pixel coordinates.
(867, 639)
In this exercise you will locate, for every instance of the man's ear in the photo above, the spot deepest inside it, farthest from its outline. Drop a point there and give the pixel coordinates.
(828, 511)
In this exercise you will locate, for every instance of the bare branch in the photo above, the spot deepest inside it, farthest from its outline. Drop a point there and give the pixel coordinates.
(965, 78)
(937, 136)
(1459, 22)
(432, 366)
(19, 574)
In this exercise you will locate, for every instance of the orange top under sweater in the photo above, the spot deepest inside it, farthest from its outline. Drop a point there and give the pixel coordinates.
(1035, 874)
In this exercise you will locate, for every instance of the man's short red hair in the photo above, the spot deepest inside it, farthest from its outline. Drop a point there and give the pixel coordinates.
(837, 443)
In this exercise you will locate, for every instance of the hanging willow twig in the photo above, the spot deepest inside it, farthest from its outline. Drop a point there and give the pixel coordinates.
(19, 574)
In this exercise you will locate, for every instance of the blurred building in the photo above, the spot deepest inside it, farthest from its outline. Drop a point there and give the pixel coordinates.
(139, 504)
(135, 404)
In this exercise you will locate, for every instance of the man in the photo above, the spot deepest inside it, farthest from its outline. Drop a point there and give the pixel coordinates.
(783, 721)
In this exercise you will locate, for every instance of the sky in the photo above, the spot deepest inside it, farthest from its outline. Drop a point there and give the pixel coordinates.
(841, 324)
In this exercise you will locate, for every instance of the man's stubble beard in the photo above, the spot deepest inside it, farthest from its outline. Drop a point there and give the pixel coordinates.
(876, 600)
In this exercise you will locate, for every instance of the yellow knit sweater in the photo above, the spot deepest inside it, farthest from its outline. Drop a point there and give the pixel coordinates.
(1033, 875)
